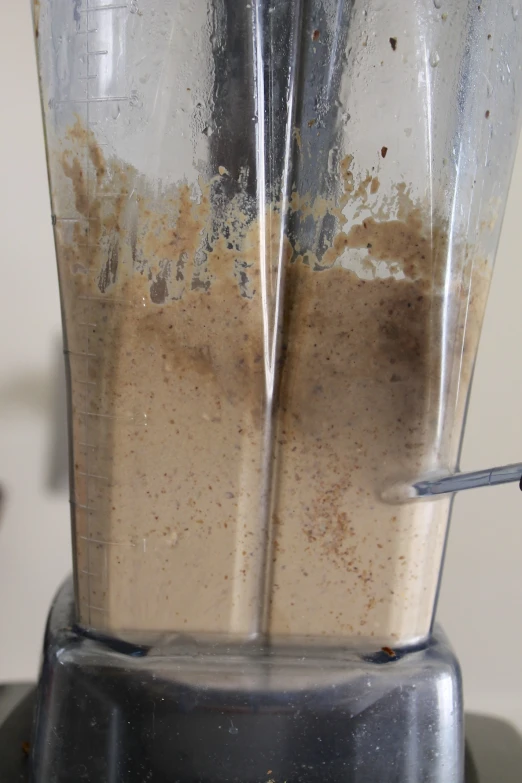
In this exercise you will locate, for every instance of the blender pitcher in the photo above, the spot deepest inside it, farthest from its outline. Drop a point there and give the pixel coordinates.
(275, 225)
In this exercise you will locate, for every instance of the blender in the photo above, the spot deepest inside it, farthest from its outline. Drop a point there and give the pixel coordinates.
(275, 224)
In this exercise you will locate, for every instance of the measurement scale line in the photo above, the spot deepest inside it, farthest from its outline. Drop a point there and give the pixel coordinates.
(92, 475)
(87, 383)
(104, 415)
(96, 8)
(87, 355)
(97, 52)
(77, 220)
(108, 99)
(79, 353)
(67, 220)
(97, 608)
(87, 445)
(87, 573)
(108, 299)
(86, 323)
(107, 543)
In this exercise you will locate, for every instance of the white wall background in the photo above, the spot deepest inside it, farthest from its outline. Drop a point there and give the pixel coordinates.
(34, 535)
(481, 600)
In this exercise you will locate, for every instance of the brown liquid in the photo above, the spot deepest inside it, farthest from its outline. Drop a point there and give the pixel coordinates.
(164, 316)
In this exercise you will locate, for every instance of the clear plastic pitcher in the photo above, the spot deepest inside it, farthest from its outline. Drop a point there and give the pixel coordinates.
(275, 225)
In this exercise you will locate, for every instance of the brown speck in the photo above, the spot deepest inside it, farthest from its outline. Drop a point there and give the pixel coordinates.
(393, 43)
(26, 748)
(487, 114)
(311, 123)
(384, 151)
(315, 35)
(389, 652)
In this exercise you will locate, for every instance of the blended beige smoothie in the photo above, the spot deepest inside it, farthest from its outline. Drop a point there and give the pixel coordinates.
(215, 492)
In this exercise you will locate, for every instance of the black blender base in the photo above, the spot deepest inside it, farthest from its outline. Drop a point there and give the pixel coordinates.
(111, 713)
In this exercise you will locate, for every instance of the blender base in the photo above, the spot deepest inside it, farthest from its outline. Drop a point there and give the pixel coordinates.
(111, 712)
